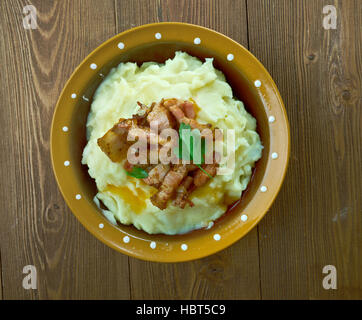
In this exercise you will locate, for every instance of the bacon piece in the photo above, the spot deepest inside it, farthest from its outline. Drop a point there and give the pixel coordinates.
(188, 108)
(157, 174)
(194, 124)
(177, 112)
(191, 167)
(170, 102)
(169, 184)
(183, 192)
(200, 177)
(151, 136)
(114, 143)
(161, 117)
(180, 117)
(118, 139)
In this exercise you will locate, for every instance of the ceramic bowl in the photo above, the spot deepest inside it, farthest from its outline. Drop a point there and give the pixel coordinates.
(250, 82)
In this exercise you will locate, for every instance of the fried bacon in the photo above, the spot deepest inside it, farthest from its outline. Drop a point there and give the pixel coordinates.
(157, 174)
(170, 183)
(200, 177)
(174, 182)
(186, 107)
(189, 110)
(118, 139)
(184, 112)
(183, 192)
(114, 143)
(161, 117)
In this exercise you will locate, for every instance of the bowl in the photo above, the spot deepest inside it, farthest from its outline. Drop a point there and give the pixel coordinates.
(251, 83)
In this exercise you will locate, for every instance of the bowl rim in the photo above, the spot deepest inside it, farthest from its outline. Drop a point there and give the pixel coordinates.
(181, 256)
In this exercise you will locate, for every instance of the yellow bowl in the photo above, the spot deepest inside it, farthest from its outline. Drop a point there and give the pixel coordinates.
(251, 83)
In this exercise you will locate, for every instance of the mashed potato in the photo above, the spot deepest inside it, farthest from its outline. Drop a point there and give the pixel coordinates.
(183, 77)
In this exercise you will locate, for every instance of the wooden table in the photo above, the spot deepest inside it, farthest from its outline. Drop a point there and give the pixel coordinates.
(316, 219)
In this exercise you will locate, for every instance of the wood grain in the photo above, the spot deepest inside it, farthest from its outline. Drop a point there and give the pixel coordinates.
(37, 228)
(1, 282)
(316, 220)
(233, 273)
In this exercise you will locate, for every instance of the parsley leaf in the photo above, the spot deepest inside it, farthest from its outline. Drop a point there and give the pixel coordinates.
(183, 144)
(189, 146)
(138, 173)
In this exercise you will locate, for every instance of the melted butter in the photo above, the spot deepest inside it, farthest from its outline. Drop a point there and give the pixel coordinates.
(205, 191)
(215, 195)
(136, 202)
(229, 200)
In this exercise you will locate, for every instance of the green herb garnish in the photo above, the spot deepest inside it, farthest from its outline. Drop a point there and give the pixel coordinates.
(188, 146)
(138, 173)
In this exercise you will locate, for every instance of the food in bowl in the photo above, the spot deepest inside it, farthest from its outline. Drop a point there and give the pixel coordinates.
(168, 166)
(191, 94)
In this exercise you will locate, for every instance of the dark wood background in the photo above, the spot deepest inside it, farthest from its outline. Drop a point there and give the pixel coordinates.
(316, 219)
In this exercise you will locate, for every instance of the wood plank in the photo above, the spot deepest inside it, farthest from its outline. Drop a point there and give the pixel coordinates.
(36, 226)
(230, 274)
(1, 282)
(234, 272)
(316, 220)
